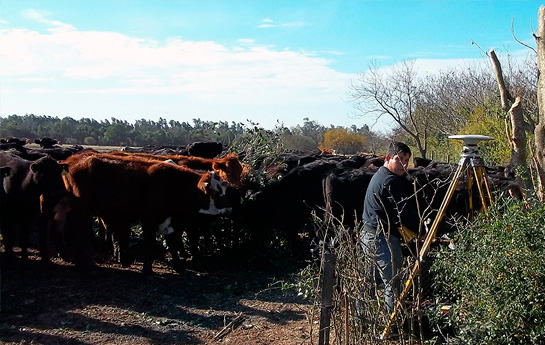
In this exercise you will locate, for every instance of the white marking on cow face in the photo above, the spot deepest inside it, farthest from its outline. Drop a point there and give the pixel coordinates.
(165, 227)
(216, 190)
(217, 184)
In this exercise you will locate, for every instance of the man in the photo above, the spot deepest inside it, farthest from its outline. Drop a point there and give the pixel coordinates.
(385, 210)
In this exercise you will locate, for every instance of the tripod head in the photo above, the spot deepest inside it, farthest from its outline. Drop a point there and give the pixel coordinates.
(471, 148)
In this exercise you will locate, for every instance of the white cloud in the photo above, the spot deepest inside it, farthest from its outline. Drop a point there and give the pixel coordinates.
(246, 41)
(40, 16)
(269, 23)
(253, 79)
(36, 79)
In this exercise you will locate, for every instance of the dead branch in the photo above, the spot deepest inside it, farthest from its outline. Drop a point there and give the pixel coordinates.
(516, 39)
(229, 327)
(504, 92)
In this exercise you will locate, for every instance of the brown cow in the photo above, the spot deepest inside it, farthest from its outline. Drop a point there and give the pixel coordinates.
(124, 191)
(228, 168)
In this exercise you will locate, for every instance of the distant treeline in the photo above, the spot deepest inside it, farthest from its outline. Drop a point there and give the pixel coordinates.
(116, 132)
(162, 132)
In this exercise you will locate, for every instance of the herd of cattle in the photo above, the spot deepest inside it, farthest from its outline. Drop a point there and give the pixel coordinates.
(77, 198)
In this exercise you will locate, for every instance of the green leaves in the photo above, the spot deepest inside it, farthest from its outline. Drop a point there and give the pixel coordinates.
(498, 269)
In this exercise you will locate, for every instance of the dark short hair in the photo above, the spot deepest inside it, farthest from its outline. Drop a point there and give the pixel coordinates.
(397, 147)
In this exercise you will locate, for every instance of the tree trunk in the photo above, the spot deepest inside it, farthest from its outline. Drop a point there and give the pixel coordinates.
(515, 128)
(504, 92)
(540, 128)
(518, 135)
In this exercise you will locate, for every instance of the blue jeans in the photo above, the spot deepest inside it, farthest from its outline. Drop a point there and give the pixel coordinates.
(389, 258)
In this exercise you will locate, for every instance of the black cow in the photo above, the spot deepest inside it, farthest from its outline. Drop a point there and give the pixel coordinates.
(47, 143)
(284, 208)
(20, 203)
(421, 162)
(344, 193)
(205, 149)
(12, 143)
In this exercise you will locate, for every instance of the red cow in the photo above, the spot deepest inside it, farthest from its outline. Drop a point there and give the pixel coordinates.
(228, 168)
(124, 191)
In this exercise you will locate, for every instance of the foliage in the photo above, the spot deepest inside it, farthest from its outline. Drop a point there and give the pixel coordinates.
(89, 141)
(498, 271)
(488, 121)
(299, 142)
(444, 149)
(343, 141)
(304, 283)
(258, 148)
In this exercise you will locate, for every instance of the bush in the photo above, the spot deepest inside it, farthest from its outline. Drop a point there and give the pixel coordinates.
(497, 270)
(90, 141)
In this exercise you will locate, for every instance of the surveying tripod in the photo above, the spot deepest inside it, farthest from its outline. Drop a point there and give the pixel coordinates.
(472, 164)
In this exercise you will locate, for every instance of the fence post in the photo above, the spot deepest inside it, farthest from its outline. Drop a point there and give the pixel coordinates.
(328, 281)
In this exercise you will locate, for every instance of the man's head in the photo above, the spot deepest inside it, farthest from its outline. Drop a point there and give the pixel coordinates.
(397, 158)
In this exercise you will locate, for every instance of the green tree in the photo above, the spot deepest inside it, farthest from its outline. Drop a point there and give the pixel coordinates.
(490, 122)
(343, 141)
(116, 134)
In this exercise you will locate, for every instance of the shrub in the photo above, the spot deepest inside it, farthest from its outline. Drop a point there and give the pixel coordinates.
(497, 270)
(258, 148)
(90, 141)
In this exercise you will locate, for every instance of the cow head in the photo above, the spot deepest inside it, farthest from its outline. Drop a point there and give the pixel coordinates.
(47, 176)
(215, 188)
(229, 168)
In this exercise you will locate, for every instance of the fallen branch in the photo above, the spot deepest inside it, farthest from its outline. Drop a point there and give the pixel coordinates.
(229, 327)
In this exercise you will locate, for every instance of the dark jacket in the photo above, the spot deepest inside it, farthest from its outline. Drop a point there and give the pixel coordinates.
(386, 202)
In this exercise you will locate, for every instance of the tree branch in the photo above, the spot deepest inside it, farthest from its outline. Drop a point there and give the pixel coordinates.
(504, 92)
(516, 39)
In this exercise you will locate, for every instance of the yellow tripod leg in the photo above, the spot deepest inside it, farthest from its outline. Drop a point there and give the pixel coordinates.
(477, 171)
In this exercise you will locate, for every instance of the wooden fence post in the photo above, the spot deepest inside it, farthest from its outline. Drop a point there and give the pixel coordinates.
(328, 281)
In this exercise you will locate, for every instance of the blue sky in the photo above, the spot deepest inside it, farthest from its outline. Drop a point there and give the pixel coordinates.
(266, 61)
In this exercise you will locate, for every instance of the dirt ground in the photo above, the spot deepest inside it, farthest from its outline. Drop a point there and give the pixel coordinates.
(57, 304)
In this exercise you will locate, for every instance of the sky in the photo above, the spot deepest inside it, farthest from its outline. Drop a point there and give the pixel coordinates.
(268, 62)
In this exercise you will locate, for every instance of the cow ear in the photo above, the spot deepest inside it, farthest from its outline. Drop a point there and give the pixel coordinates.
(203, 182)
(64, 168)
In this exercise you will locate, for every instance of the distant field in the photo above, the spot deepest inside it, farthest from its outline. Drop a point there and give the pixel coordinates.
(98, 148)
(104, 148)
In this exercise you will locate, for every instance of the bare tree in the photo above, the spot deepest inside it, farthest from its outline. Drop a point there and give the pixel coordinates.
(397, 96)
(453, 95)
(524, 114)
